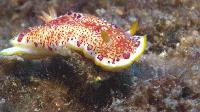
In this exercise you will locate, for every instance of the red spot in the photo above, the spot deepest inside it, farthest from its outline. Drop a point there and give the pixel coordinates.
(74, 14)
(58, 21)
(113, 61)
(100, 57)
(126, 55)
(79, 43)
(20, 37)
(89, 24)
(117, 59)
(110, 31)
(97, 28)
(89, 47)
(137, 43)
(79, 16)
(70, 22)
(36, 45)
(50, 48)
(114, 26)
(69, 13)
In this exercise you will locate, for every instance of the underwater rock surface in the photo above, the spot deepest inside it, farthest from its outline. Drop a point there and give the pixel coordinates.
(165, 78)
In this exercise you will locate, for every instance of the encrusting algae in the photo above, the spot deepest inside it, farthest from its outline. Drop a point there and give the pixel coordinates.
(106, 44)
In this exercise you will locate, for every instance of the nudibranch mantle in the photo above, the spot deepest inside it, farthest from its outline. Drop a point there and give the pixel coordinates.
(106, 44)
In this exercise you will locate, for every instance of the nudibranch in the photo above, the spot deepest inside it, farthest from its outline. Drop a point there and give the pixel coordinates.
(109, 46)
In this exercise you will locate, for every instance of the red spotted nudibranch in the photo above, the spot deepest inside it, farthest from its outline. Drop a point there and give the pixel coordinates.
(109, 46)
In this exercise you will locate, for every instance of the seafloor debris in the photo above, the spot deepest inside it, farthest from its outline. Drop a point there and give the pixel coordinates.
(166, 78)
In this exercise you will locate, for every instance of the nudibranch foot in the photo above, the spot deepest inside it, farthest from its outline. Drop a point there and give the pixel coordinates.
(26, 53)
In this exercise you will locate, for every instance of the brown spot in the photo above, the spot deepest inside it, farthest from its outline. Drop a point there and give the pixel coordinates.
(100, 57)
(117, 59)
(56, 43)
(36, 45)
(126, 55)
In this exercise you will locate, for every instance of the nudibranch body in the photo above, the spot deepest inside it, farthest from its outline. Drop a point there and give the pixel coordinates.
(106, 44)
